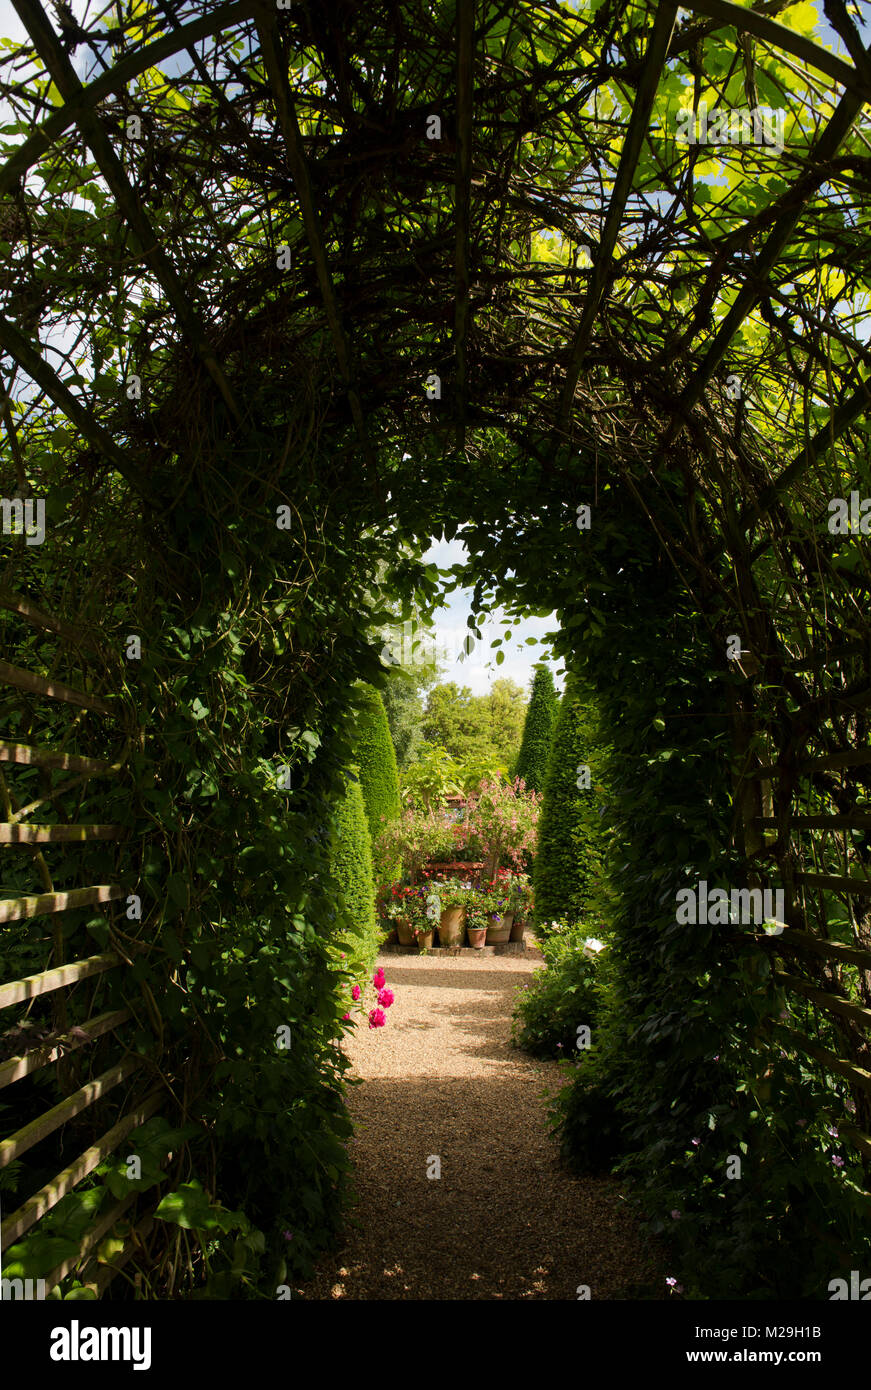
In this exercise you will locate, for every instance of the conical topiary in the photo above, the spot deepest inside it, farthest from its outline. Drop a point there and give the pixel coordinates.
(569, 855)
(351, 866)
(541, 713)
(376, 760)
(379, 778)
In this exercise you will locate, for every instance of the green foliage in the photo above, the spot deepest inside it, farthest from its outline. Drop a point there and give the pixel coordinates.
(538, 728)
(562, 995)
(569, 850)
(351, 867)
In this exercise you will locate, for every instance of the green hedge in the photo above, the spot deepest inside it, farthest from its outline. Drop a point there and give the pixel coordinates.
(538, 730)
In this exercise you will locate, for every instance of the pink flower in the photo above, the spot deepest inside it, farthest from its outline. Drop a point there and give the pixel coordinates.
(378, 979)
(385, 998)
(376, 1018)
(356, 992)
(801, 1123)
(344, 1016)
(675, 1215)
(837, 1160)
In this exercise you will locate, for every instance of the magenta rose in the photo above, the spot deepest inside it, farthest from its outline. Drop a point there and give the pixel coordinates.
(386, 998)
(376, 1018)
(356, 992)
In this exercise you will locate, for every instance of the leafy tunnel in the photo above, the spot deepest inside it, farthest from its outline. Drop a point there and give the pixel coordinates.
(288, 290)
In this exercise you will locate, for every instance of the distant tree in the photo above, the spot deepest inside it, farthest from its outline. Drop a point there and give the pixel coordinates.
(457, 721)
(403, 704)
(506, 705)
(476, 728)
(538, 729)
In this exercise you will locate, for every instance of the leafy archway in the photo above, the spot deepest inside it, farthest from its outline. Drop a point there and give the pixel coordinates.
(290, 289)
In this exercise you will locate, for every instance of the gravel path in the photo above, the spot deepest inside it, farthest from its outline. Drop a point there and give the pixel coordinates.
(503, 1220)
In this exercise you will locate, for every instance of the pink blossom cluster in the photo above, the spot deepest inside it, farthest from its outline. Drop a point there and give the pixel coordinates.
(385, 997)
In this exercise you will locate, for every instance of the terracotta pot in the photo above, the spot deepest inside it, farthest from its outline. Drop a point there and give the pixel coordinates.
(424, 939)
(499, 930)
(404, 933)
(518, 927)
(452, 926)
(477, 937)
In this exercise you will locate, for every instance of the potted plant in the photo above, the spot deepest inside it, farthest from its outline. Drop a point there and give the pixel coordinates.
(497, 903)
(404, 909)
(452, 920)
(522, 904)
(477, 918)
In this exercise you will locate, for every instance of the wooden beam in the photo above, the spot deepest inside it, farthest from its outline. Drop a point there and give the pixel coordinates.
(98, 1277)
(636, 133)
(66, 79)
(17, 1067)
(792, 205)
(115, 80)
(859, 821)
(841, 418)
(17, 603)
(462, 310)
(830, 1002)
(48, 1196)
(17, 991)
(779, 36)
(27, 756)
(51, 689)
(45, 1124)
(855, 1138)
(804, 943)
(857, 1075)
(90, 1240)
(276, 71)
(841, 883)
(45, 376)
(831, 762)
(13, 833)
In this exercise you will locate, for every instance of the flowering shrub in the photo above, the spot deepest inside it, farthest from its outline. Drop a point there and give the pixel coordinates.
(503, 818)
(562, 995)
(414, 838)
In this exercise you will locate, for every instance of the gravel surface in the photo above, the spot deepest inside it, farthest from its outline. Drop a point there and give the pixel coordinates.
(503, 1220)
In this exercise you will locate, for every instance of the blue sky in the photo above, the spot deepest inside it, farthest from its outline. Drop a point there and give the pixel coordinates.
(525, 648)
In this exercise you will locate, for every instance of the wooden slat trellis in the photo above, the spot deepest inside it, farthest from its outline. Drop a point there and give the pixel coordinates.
(65, 1052)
